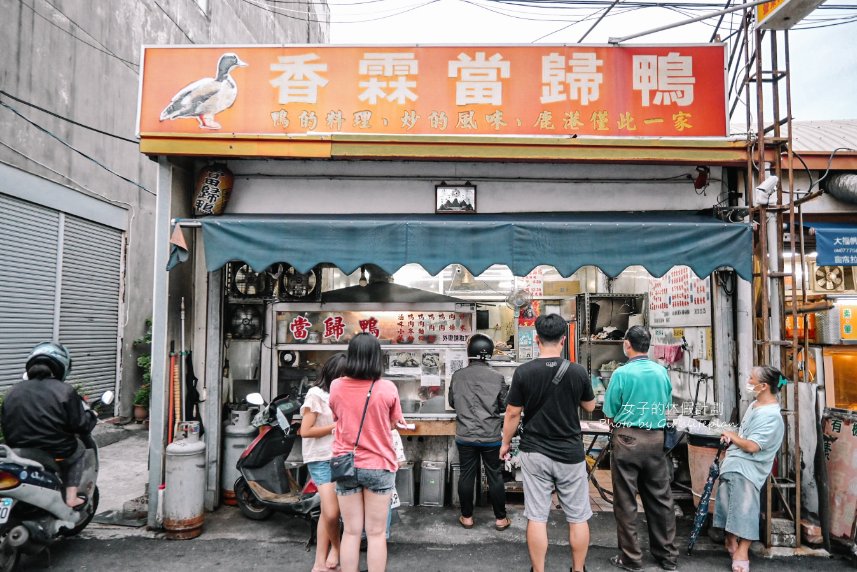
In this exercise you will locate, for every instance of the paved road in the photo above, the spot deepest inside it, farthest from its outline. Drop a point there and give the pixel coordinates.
(149, 555)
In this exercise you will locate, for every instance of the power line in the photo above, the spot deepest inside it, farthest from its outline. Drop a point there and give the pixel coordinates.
(308, 19)
(72, 121)
(161, 8)
(75, 149)
(127, 63)
(80, 186)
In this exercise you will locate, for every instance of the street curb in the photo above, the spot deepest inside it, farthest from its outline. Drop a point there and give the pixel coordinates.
(106, 434)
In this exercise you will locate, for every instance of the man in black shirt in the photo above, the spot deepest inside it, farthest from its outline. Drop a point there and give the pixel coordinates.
(551, 449)
(42, 412)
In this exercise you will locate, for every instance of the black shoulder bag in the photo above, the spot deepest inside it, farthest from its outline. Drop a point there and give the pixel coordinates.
(342, 466)
(560, 373)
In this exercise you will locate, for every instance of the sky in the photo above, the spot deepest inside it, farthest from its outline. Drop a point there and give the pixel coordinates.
(823, 61)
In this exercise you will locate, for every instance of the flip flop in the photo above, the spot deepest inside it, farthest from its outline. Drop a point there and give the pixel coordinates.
(464, 524)
(506, 524)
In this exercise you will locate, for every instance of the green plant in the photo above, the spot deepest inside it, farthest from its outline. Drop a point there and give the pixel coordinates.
(144, 360)
(143, 394)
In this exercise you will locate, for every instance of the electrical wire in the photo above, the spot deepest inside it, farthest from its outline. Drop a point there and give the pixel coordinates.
(126, 63)
(75, 149)
(167, 14)
(72, 121)
(308, 19)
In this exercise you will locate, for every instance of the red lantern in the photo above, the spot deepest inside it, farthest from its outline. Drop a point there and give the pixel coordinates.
(213, 187)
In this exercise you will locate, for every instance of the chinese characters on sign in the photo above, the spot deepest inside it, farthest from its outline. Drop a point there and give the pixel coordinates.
(419, 327)
(836, 246)
(679, 298)
(505, 90)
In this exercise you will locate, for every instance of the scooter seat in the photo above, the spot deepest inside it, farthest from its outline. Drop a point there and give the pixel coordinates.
(46, 460)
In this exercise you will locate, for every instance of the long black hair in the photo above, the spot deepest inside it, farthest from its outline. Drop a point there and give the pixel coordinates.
(365, 360)
(332, 369)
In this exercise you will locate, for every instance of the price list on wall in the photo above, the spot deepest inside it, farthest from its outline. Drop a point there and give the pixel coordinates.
(679, 298)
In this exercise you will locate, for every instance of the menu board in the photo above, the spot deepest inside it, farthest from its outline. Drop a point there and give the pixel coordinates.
(679, 298)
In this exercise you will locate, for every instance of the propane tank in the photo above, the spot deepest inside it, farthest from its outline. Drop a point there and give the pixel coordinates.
(236, 437)
(184, 496)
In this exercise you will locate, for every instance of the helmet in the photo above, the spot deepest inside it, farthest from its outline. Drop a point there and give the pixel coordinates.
(480, 346)
(54, 355)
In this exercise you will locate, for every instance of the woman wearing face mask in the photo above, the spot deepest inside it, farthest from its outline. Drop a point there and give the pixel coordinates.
(747, 465)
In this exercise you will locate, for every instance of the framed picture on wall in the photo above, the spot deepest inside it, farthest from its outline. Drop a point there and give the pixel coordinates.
(455, 199)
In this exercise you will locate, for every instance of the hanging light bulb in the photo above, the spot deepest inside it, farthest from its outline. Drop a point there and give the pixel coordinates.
(363, 281)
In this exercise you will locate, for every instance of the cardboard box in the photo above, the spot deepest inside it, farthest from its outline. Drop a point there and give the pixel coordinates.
(561, 287)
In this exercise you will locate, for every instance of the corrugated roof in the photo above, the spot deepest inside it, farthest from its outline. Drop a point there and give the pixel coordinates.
(824, 136)
(821, 136)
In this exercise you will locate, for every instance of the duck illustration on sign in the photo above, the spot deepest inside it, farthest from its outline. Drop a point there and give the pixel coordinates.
(205, 98)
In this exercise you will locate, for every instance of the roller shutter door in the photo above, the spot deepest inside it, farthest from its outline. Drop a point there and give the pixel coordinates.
(89, 304)
(29, 238)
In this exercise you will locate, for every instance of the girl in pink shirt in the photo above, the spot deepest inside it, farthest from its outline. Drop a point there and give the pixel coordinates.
(365, 499)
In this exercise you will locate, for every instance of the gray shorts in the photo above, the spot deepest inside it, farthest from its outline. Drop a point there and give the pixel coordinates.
(736, 509)
(542, 475)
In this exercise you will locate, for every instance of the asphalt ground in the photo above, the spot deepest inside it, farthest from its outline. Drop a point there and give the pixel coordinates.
(423, 538)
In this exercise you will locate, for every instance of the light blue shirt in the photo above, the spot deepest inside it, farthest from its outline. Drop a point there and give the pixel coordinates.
(762, 424)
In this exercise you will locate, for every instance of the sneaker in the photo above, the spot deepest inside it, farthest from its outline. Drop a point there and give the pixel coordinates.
(617, 562)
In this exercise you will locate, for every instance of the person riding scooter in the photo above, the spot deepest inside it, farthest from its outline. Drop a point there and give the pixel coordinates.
(43, 412)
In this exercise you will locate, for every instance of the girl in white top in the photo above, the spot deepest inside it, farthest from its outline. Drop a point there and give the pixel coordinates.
(317, 433)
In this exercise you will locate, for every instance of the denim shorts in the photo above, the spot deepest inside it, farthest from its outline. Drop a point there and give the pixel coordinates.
(319, 471)
(378, 481)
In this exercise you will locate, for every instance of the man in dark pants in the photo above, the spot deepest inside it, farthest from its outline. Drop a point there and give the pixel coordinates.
(478, 394)
(639, 394)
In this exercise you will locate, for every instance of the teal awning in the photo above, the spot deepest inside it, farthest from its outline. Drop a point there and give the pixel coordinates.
(611, 241)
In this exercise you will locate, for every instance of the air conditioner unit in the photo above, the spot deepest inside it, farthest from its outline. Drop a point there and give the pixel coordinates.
(831, 279)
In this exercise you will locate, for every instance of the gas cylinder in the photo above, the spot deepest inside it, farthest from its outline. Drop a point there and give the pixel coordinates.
(184, 495)
(236, 437)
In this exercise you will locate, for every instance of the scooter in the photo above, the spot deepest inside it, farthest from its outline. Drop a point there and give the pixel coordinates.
(266, 485)
(33, 512)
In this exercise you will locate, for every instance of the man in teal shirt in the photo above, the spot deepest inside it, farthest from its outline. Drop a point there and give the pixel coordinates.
(637, 400)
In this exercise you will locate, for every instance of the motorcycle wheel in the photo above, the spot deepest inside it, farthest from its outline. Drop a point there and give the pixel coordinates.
(79, 528)
(8, 556)
(248, 503)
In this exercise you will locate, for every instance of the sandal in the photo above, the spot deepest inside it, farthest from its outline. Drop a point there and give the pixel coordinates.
(740, 566)
(506, 523)
(617, 562)
(464, 524)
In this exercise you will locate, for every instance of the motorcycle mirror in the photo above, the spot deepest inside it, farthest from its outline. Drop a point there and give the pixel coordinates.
(255, 399)
(107, 397)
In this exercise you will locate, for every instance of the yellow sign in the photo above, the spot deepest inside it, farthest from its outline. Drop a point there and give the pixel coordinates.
(765, 10)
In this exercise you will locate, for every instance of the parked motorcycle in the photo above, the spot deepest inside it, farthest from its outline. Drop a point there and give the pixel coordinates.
(33, 511)
(266, 485)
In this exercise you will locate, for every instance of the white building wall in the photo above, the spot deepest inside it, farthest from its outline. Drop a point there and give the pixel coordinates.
(359, 187)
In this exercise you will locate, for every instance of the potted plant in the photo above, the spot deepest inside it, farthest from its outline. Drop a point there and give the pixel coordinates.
(144, 362)
(141, 403)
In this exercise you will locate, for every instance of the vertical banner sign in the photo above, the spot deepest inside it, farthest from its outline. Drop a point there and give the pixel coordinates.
(220, 93)
(679, 299)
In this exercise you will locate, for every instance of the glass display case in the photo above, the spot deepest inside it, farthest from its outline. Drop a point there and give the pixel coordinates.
(423, 345)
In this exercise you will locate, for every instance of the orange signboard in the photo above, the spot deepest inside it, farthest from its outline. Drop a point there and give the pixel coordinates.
(764, 10)
(265, 92)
